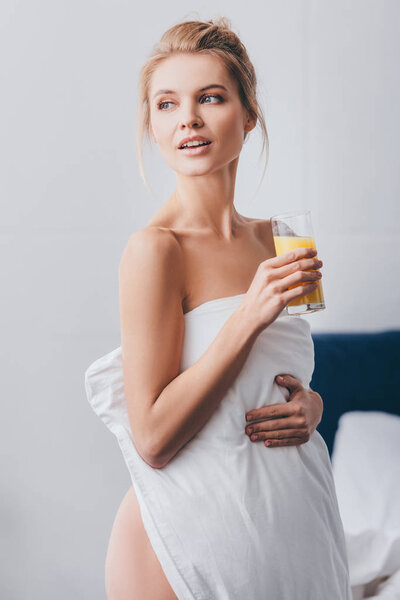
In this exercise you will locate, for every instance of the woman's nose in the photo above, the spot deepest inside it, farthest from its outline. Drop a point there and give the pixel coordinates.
(190, 118)
(189, 123)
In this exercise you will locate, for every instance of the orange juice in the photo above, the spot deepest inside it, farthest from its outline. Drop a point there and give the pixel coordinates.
(284, 243)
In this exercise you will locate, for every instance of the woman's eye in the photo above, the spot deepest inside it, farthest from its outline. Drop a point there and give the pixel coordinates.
(160, 105)
(212, 96)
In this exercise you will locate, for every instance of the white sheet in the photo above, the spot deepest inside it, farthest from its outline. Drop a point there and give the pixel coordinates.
(366, 469)
(230, 519)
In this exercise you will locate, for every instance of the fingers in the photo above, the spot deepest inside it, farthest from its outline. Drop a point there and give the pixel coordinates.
(302, 277)
(305, 264)
(271, 411)
(281, 435)
(291, 256)
(296, 274)
(269, 428)
(295, 270)
(286, 442)
(290, 382)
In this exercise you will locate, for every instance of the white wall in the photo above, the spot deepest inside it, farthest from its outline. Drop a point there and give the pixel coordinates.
(71, 196)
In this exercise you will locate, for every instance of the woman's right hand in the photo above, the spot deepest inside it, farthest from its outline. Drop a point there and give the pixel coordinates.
(268, 293)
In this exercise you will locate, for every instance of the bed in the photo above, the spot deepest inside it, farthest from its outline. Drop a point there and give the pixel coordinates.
(358, 378)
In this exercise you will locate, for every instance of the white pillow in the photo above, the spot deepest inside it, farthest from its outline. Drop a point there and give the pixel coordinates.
(366, 470)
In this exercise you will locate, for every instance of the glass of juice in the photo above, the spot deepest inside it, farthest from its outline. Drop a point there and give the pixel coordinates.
(294, 230)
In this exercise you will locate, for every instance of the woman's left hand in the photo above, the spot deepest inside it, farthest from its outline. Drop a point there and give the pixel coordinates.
(290, 423)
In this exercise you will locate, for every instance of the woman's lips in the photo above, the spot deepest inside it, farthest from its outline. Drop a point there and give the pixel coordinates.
(195, 150)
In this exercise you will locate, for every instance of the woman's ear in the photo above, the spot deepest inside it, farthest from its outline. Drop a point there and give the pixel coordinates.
(250, 123)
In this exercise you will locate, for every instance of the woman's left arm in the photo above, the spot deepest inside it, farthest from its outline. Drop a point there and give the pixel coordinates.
(290, 423)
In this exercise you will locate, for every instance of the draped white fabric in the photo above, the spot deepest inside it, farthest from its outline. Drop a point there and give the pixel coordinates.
(228, 518)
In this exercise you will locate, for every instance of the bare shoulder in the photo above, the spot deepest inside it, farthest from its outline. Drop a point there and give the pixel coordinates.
(156, 247)
(154, 240)
(152, 326)
(262, 232)
(151, 273)
(256, 222)
(261, 227)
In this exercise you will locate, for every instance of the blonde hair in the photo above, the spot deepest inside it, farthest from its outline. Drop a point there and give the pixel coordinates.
(216, 38)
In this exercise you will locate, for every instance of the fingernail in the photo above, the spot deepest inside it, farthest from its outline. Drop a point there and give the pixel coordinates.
(248, 417)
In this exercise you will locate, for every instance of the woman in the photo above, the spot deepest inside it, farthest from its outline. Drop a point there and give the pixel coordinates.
(215, 514)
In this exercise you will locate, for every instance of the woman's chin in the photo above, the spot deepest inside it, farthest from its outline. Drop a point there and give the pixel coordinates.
(194, 170)
(202, 167)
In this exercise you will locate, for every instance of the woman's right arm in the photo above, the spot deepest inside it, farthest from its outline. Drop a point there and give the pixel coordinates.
(166, 409)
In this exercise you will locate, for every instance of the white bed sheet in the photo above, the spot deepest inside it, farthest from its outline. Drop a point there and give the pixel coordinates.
(366, 469)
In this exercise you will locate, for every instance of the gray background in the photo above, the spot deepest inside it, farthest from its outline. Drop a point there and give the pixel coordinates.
(71, 196)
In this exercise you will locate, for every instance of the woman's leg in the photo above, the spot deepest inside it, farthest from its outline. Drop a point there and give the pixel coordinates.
(132, 569)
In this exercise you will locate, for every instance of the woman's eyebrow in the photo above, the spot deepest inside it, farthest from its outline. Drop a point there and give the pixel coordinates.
(207, 87)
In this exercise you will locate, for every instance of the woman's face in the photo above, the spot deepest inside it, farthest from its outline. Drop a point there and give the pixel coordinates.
(180, 107)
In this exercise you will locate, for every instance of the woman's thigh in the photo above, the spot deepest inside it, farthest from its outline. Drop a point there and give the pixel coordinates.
(132, 569)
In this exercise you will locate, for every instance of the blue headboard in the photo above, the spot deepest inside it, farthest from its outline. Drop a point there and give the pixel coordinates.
(355, 371)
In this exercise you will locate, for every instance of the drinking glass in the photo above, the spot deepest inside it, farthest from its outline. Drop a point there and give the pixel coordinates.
(294, 230)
